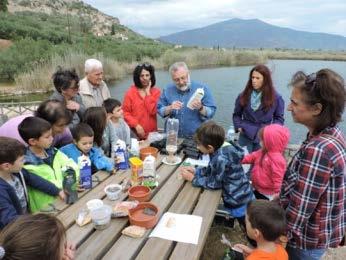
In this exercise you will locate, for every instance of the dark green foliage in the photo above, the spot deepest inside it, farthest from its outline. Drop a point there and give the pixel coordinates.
(3, 5)
(39, 36)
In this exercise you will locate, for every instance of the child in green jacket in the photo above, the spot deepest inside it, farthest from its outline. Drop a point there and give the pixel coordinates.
(42, 159)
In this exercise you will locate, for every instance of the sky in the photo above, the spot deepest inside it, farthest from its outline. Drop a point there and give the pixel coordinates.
(154, 18)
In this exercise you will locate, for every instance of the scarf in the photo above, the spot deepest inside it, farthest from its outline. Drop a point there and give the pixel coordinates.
(256, 99)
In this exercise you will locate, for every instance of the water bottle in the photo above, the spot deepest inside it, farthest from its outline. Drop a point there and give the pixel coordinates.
(122, 158)
(198, 95)
(84, 164)
(69, 185)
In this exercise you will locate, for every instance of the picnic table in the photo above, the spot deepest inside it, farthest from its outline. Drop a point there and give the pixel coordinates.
(171, 195)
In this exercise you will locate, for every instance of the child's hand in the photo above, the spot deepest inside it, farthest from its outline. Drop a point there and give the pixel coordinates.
(80, 188)
(69, 251)
(187, 172)
(62, 195)
(243, 248)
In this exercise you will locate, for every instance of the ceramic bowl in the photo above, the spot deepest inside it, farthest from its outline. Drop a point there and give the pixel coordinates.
(138, 217)
(139, 193)
(144, 152)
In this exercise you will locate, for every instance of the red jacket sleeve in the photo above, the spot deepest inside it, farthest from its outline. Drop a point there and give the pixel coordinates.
(130, 120)
(251, 158)
(278, 167)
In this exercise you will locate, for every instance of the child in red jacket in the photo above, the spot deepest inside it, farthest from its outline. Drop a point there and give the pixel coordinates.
(269, 163)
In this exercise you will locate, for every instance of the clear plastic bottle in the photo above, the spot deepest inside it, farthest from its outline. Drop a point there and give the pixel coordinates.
(198, 95)
(84, 164)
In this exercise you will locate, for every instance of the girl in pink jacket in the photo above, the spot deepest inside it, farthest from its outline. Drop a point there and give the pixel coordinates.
(269, 163)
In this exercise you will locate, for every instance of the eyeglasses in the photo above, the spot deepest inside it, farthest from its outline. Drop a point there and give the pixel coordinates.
(145, 65)
(311, 80)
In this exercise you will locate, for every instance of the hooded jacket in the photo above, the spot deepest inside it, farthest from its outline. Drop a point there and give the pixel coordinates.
(269, 166)
(50, 169)
(225, 172)
(10, 206)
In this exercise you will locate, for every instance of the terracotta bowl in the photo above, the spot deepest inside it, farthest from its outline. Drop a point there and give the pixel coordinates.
(140, 193)
(144, 152)
(139, 218)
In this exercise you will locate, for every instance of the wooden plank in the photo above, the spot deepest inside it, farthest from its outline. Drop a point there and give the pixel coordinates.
(157, 248)
(101, 175)
(206, 207)
(99, 243)
(68, 215)
(126, 247)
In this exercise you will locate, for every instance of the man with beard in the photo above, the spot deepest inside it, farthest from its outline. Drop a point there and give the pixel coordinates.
(175, 101)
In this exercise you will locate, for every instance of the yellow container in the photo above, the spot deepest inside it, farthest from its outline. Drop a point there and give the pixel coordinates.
(136, 170)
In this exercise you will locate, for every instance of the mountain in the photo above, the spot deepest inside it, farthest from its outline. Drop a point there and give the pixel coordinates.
(255, 33)
(100, 24)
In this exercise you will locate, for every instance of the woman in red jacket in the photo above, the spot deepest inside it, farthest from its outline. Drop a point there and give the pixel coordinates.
(140, 101)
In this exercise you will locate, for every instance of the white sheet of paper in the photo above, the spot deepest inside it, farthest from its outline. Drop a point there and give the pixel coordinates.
(184, 228)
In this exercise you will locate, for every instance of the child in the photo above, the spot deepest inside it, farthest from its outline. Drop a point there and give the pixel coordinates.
(42, 159)
(224, 170)
(13, 181)
(105, 136)
(265, 223)
(83, 140)
(269, 164)
(38, 236)
(115, 115)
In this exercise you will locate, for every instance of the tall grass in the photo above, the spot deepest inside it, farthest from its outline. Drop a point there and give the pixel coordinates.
(39, 79)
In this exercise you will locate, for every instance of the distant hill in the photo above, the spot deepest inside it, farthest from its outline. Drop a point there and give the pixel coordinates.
(255, 33)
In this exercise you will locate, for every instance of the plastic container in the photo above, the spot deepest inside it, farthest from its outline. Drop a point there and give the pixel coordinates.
(94, 204)
(140, 193)
(149, 169)
(101, 217)
(84, 165)
(122, 158)
(138, 217)
(146, 151)
(113, 191)
(198, 95)
(172, 129)
(136, 170)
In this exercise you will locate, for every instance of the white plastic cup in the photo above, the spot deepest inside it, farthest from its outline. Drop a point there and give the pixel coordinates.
(94, 204)
(101, 217)
(113, 191)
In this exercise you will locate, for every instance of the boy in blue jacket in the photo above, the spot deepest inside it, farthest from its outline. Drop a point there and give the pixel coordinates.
(83, 139)
(14, 180)
(224, 170)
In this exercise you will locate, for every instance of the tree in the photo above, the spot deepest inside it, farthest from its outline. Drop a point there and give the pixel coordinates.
(3, 5)
(113, 29)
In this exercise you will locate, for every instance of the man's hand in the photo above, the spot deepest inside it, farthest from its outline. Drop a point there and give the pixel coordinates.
(177, 105)
(72, 105)
(62, 195)
(140, 131)
(69, 251)
(187, 173)
(196, 104)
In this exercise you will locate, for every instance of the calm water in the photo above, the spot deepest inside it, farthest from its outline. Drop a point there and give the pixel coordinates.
(227, 83)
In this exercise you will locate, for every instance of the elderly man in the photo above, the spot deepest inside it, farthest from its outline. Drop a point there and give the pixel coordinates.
(175, 97)
(92, 88)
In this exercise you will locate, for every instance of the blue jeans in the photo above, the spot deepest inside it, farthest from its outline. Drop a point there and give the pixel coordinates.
(304, 254)
(251, 146)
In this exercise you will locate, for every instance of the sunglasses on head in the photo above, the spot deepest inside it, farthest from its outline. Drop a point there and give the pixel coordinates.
(145, 65)
(311, 80)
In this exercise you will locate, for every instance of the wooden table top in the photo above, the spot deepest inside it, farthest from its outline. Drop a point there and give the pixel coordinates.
(172, 194)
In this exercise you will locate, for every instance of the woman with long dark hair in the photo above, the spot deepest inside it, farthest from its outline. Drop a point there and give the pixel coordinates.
(140, 101)
(258, 105)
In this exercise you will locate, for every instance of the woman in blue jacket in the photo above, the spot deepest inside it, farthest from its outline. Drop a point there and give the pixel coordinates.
(258, 105)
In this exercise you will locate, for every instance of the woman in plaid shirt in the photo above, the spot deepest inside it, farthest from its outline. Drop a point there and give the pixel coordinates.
(313, 191)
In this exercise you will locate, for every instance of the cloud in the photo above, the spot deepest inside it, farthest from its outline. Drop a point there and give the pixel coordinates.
(160, 17)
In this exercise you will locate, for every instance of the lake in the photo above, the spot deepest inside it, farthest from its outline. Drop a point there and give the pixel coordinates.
(227, 82)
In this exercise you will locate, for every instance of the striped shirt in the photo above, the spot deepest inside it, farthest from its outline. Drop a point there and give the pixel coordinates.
(313, 192)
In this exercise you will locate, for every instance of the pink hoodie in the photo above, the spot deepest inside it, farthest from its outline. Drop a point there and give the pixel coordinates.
(267, 176)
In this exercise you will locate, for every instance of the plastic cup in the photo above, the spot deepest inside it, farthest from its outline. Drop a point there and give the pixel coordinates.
(113, 191)
(94, 204)
(101, 217)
